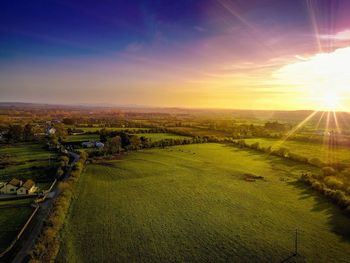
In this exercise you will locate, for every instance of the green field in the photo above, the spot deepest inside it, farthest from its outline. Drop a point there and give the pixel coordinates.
(161, 136)
(307, 149)
(11, 222)
(96, 129)
(191, 204)
(82, 138)
(25, 161)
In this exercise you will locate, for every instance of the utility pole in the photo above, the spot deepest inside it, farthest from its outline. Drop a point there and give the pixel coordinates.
(296, 243)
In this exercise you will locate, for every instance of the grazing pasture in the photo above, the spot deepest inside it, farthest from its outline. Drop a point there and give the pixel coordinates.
(201, 131)
(25, 161)
(308, 149)
(161, 136)
(192, 204)
(11, 221)
(82, 138)
(96, 129)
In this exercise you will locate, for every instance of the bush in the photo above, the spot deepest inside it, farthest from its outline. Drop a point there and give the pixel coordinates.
(333, 183)
(348, 190)
(327, 171)
(316, 162)
(47, 246)
(298, 158)
(318, 186)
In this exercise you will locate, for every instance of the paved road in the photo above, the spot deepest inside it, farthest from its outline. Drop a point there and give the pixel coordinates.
(27, 241)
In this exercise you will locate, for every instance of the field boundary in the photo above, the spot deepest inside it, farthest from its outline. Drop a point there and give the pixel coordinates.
(25, 226)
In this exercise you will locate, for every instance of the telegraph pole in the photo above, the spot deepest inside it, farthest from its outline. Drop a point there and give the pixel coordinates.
(296, 243)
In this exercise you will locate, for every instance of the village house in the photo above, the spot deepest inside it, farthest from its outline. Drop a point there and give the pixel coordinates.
(27, 188)
(51, 131)
(15, 186)
(98, 145)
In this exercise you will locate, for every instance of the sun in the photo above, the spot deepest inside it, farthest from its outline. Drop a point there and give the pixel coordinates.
(330, 102)
(322, 81)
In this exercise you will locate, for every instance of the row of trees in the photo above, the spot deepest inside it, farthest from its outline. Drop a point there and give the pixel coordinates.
(333, 182)
(47, 246)
(284, 153)
(117, 142)
(331, 187)
(19, 133)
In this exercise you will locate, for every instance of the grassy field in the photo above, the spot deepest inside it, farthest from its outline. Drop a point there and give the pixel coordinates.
(191, 204)
(82, 138)
(96, 129)
(11, 221)
(196, 131)
(25, 161)
(307, 149)
(161, 136)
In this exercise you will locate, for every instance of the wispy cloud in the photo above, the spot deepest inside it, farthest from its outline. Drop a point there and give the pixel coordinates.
(134, 46)
(199, 29)
(342, 36)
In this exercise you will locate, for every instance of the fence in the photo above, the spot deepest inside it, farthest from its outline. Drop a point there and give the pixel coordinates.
(13, 243)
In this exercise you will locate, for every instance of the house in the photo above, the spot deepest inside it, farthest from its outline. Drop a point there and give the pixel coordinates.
(11, 186)
(27, 188)
(88, 144)
(15, 186)
(98, 145)
(51, 131)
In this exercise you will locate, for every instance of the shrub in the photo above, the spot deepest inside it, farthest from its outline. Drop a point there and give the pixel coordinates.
(282, 152)
(47, 247)
(318, 186)
(348, 190)
(255, 146)
(327, 171)
(316, 162)
(333, 183)
(298, 158)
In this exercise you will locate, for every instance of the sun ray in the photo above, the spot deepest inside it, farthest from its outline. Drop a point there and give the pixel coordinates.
(326, 139)
(319, 121)
(336, 122)
(295, 129)
(312, 12)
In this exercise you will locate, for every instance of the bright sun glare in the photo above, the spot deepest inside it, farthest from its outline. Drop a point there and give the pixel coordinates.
(330, 102)
(323, 79)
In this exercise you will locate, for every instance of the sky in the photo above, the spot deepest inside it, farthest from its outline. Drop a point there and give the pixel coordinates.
(239, 54)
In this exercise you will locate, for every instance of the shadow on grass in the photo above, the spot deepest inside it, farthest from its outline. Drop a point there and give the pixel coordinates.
(339, 222)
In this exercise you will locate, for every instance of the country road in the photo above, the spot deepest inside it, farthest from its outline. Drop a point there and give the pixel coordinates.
(27, 241)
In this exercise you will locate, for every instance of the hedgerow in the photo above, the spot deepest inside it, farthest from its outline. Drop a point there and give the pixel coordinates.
(47, 245)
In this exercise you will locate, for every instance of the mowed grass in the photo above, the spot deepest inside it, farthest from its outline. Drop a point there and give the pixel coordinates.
(24, 161)
(11, 222)
(308, 149)
(191, 204)
(161, 136)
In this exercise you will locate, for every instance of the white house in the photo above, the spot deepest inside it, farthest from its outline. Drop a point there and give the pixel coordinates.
(88, 144)
(15, 186)
(51, 131)
(98, 145)
(11, 186)
(27, 188)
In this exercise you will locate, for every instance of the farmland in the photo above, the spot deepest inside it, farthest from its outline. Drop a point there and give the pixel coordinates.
(96, 129)
(25, 161)
(11, 221)
(160, 136)
(307, 149)
(191, 203)
(82, 138)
